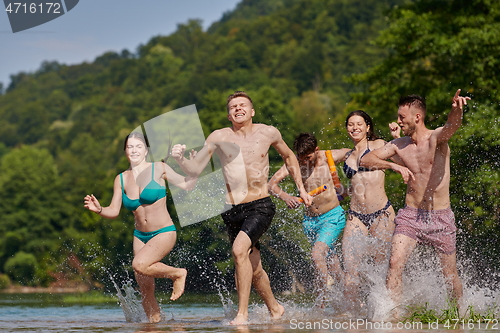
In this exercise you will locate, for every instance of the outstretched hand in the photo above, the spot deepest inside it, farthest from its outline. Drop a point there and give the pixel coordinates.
(459, 101)
(404, 171)
(178, 151)
(395, 130)
(92, 204)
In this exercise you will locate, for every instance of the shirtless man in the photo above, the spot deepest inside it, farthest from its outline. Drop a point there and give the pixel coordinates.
(324, 220)
(243, 150)
(427, 217)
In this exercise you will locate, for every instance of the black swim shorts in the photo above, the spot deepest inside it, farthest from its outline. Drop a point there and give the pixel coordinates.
(253, 218)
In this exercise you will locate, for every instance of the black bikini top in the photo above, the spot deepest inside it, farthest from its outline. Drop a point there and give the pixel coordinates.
(350, 172)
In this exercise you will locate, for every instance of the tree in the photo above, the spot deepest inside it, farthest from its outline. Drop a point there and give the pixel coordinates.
(434, 48)
(32, 206)
(22, 268)
(290, 55)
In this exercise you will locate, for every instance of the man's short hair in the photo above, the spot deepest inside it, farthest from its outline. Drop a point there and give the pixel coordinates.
(237, 94)
(415, 101)
(305, 144)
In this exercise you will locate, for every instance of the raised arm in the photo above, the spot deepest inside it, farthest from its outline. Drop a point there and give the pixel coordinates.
(377, 159)
(454, 118)
(277, 191)
(291, 163)
(111, 211)
(195, 165)
(339, 154)
(185, 183)
(395, 130)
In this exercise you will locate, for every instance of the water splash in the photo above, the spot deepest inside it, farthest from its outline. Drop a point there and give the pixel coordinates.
(423, 286)
(130, 302)
(225, 298)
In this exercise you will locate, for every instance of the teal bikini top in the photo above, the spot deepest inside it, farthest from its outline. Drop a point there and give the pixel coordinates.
(149, 195)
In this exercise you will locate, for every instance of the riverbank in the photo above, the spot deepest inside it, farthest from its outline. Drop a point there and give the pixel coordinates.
(45, 290)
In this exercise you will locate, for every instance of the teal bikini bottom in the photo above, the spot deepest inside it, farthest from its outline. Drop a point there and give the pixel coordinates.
(146, 236)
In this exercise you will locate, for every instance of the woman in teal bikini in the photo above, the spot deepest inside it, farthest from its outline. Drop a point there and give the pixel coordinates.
(142, 190)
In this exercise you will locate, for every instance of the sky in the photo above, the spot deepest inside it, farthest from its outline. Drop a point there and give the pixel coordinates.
(94, 27)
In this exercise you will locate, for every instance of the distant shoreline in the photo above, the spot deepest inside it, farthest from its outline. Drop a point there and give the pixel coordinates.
(41, 290)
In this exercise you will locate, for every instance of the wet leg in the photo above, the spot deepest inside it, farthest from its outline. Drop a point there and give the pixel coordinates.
(335, 268)
(149, 303)
(146, 264)
(402, 247)
(454, 283)
(262, 286)
(352, 251)
(243, 275)
(319, 254)
(382, 230)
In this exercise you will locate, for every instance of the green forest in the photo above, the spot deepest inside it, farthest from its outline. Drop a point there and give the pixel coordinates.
(306, 64)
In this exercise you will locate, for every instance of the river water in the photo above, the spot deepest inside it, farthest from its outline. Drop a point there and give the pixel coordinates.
(49, 313)
(424, 285)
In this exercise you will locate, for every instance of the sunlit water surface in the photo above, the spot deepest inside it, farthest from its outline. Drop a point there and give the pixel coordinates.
(423, 285)
(32, 313)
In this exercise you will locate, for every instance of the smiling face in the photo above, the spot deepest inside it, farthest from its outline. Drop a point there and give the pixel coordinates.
(357, 128)
(407, 115)
(135, 150)
(240, 110)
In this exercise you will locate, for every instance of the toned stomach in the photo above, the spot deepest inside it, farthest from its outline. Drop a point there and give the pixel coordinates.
(428, 197)
(246, 186)
(152, 217)
(367, 192)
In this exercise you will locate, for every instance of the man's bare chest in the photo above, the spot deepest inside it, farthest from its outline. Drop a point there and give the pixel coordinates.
(419, 158)
(316, 173)
(248, 149)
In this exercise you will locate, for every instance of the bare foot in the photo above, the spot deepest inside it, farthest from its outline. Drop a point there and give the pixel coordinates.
(239, 320)
(179, 284)
(155, 318)
(278, 313)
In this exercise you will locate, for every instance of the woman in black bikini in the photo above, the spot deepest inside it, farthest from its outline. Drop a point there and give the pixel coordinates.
(370, 218)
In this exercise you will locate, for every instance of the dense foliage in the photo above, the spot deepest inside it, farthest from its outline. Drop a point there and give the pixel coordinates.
(63, 125)
(436, 47)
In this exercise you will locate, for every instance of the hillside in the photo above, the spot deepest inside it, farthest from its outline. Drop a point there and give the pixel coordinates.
(306, 64)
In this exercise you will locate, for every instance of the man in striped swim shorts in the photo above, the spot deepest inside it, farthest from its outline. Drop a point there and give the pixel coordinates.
(423, 158)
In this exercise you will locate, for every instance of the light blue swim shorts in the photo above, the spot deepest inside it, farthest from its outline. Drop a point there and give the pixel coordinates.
(326, 227)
